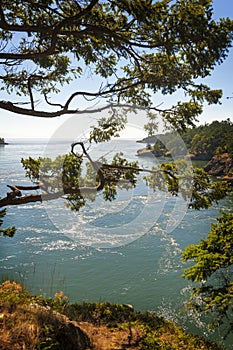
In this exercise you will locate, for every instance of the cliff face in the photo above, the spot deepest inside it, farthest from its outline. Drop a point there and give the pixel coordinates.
(220, 165)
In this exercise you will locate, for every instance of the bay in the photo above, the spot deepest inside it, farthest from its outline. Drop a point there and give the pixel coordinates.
(127, 251)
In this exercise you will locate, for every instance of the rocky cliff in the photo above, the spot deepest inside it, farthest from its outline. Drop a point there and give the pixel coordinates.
(221, 166)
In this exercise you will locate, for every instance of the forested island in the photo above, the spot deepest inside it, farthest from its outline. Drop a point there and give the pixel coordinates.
(2, 141)
(212, 143)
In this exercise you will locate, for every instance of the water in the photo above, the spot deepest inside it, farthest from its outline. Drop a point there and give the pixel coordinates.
(127, 251)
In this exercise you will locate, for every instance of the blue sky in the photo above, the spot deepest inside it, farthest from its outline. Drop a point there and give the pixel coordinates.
(14, 126)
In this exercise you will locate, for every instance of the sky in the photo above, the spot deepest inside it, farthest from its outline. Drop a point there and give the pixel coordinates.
(16, 126)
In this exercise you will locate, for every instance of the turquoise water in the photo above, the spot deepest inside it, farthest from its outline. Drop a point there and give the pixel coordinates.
(127, 251)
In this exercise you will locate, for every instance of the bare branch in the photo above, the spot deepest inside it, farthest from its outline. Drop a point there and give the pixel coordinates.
(52, 104)
(111, 90)
(28, 55)
(30, 93)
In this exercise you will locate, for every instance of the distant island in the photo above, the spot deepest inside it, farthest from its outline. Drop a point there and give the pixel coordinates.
(2, 142)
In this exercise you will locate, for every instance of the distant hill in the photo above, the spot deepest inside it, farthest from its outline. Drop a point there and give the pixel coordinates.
(149, 139)
(210, 139)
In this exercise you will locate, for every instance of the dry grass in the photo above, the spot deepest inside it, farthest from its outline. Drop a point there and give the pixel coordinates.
(24, 328)
(105, 338)
(24, 324)
(31, 323)
(19, 329)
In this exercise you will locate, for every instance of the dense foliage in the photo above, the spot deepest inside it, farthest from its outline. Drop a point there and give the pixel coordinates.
(213, 268)
(135, 48)
(69, 177)
(210, 139)
(205, 140)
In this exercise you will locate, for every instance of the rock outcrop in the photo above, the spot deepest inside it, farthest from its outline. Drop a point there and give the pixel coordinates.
(144, 152)
(220, 166)
(151, 152)
(199, 156)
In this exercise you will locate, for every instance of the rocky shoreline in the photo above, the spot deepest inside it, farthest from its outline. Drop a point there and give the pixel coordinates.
(150, 152)
(220, 166)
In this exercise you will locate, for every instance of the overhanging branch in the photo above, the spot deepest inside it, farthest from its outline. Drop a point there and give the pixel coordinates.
(19, 110)
(16, 198)
(9, 106)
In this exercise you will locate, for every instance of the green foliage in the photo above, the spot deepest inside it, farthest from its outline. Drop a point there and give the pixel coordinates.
(206, 140)
(171, 337)
(99, 313)
(32, 167)
(67, 176)
(64, 176)
(193, 184)
(205, 191)
(13, 293)
(108, 127)
(183, 114)
(10, 231)
(136, 49)
(213, 253)
(210, 139)
(213, 260)
(54, 175)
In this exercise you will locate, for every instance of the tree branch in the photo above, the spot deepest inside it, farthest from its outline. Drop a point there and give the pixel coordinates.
(111, 90)
(16, 198)
(21, 28)
(31, 198)
(18, 110)
(9, 106)
(30, 93)
(52, 104)
(51, 31)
